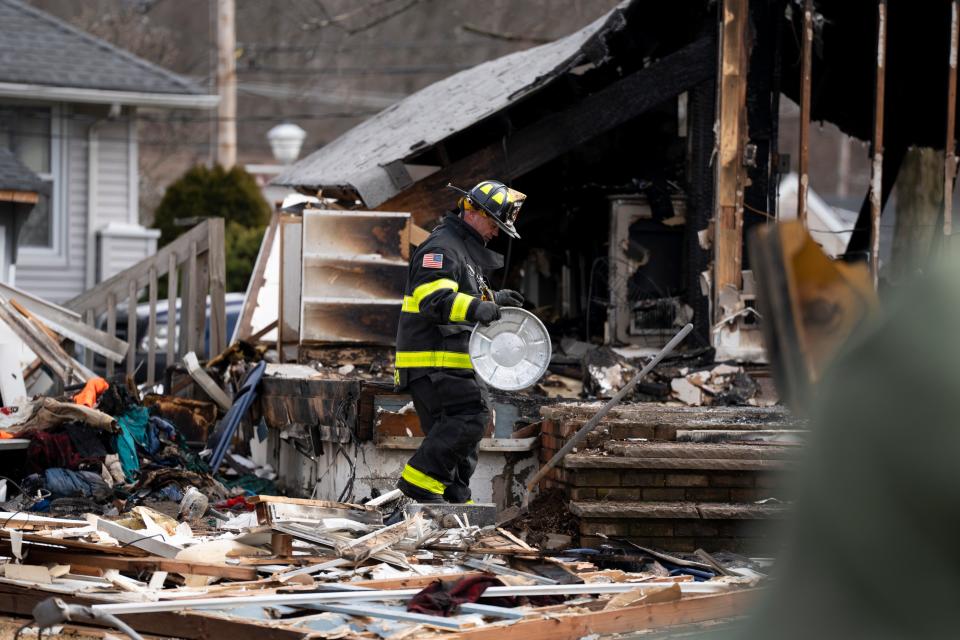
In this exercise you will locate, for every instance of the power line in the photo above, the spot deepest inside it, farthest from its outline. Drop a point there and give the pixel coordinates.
(184, 119)
(357, 71)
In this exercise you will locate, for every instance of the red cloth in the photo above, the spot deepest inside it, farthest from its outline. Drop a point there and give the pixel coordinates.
(48, 450)
(440, 599)
(91, 391)
(239, 502)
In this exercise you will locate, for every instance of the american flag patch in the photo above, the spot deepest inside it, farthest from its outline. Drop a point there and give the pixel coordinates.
(433, 260)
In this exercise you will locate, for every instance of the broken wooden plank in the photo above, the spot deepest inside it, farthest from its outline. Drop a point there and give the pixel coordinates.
(203, 379)
(281, 544)
(191, 625)
(51, 341)
(27, 572)
(137, 564)
(560, 626)
(280, 509)
(366, 546)
(19, 519)
(68, 324)
(39, 343)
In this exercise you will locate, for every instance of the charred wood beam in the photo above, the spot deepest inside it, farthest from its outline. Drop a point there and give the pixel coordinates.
(559, 133)
(950, 144)
(806, 80)
(876, 207)
(701, 108)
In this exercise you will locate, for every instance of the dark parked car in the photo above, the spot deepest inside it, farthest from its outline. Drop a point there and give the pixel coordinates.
(234, 303)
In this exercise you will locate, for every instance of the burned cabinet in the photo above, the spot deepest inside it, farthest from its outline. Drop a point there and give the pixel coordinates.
(646, 270)
(354, 269)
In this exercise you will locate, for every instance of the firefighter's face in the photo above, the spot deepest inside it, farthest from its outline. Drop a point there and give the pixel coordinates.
(483, 224)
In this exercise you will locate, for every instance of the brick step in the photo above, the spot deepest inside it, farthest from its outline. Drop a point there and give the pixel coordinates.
(598, 461)
(694, 450)
(748, 536)
(669, 485)
(681, 526)
(601, 509)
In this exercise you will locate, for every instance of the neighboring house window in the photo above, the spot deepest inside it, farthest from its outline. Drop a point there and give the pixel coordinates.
(28, 131)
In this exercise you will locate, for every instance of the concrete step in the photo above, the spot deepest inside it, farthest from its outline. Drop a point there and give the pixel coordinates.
(660, 422)
(690, 450)
(654, 414)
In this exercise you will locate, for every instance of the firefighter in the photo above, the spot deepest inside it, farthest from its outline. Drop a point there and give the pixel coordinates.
(445, 295)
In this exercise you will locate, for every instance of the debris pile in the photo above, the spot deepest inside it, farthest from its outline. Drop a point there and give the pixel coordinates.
(583, 370)
(330, 570)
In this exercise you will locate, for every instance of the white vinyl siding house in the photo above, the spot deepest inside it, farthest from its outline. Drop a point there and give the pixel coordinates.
(68, 112)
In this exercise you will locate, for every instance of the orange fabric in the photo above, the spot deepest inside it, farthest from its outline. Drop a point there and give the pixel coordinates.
(88, 396)
(4, 435)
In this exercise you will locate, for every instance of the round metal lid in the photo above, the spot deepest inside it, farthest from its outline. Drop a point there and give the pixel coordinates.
(511, 353)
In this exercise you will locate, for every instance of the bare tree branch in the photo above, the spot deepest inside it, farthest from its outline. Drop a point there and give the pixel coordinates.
(339, 21)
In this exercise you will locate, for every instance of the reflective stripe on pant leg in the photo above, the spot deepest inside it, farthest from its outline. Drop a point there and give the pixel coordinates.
(419, 479)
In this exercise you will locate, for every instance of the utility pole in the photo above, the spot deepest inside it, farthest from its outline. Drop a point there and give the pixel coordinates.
(226, 84)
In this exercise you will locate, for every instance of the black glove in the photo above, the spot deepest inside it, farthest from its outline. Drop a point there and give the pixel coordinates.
(486, 312)
(508, 298)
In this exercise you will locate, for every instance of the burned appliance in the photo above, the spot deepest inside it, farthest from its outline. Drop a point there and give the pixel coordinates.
(646, 269)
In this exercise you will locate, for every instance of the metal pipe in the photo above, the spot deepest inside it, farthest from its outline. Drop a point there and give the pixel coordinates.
(806, 80)
(949, 149)
(604, 410)
(876, 174)
(128, 608)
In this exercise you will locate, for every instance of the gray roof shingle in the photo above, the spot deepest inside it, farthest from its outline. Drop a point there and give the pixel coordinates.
(358, 157)
(39, 49)
(14, 176)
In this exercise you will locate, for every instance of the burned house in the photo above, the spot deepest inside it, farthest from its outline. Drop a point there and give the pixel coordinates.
(648, 144)
(600, 128)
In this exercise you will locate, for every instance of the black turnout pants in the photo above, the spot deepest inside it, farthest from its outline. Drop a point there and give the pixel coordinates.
(453, 412)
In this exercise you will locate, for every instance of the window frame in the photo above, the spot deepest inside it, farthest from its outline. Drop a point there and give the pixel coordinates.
(56, 253)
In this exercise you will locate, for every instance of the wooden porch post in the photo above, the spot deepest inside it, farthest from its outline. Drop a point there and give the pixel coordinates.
(728, 220)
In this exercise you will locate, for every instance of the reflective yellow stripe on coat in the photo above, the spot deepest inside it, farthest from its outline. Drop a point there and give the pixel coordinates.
(427, 288)
(437, 359)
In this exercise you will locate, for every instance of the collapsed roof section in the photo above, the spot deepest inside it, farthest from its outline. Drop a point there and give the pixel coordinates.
(368, 161)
